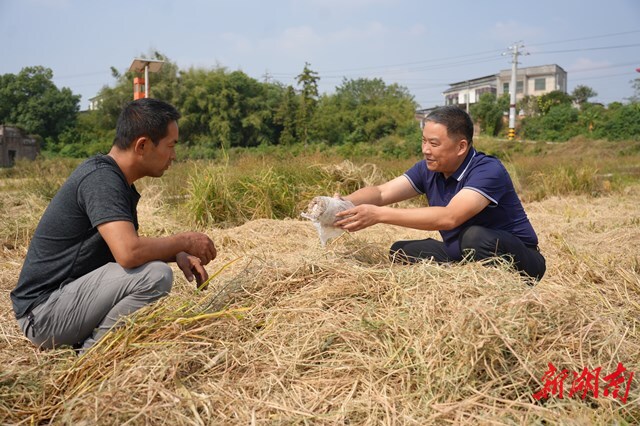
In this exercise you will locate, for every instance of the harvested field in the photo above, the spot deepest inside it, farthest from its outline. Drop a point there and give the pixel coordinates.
(289, 332)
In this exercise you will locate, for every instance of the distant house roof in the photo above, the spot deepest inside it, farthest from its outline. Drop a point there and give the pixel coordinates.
(491, 80)
(533, 71)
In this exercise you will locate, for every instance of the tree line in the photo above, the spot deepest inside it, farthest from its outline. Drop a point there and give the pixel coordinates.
(220, 109)
(557, 116)
(229, 109)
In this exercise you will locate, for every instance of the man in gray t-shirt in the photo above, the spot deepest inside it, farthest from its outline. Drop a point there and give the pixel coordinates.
(86, 265)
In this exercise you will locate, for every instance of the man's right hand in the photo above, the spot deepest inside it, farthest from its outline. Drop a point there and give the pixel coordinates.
(192, 268)
(200, 245)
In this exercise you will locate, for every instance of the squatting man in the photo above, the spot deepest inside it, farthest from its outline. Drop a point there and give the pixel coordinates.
(472, 202)
(86, 265)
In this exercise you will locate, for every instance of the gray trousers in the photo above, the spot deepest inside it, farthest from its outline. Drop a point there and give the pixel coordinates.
(81, 312)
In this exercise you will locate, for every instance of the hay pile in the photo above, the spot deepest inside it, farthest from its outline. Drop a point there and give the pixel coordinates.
(289, 332)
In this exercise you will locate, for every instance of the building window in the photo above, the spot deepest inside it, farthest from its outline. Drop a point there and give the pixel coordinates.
(519, 87)
(483, 90)
(540, 84)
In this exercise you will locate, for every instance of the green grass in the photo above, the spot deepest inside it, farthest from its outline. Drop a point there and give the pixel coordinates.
(233, 194)
(278, 182)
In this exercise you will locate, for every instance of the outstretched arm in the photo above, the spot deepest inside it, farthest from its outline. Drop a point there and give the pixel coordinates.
(396, 190)
(466, 204)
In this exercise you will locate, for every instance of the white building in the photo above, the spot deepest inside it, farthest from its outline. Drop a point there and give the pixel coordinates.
(94, 103)
(533, 81)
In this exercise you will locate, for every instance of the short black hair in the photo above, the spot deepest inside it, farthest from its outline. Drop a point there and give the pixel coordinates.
(144, 117)
(456, 120)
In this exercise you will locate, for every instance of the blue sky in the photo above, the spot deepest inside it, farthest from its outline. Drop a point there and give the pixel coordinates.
(421, 44)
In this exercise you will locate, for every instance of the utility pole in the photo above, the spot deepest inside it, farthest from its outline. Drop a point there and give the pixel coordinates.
(469, 95)
(512, 89)
(266, 77)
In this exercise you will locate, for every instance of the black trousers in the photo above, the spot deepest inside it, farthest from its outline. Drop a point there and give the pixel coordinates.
(476, 243)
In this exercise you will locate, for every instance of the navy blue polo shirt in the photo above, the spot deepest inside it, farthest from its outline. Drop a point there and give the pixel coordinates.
(486, 175)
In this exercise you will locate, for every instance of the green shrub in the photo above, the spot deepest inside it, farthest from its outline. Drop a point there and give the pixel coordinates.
(43, 176)
(622, 123)
(228, 195)
(559, 124)
(250, 188)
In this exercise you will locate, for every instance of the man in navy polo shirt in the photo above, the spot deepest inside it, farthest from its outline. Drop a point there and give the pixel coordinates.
(472, 202)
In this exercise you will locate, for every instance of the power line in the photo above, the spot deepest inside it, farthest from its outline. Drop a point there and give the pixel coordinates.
(431, 61)
(604, 67)
(88, 74)
(433, 64)
(620, 46)
(85, 85)
(586, 38)
(628, 74)
(411, 63)
(390, 71)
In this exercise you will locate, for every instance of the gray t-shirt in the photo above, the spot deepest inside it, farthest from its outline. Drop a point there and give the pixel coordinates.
(66, 244)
